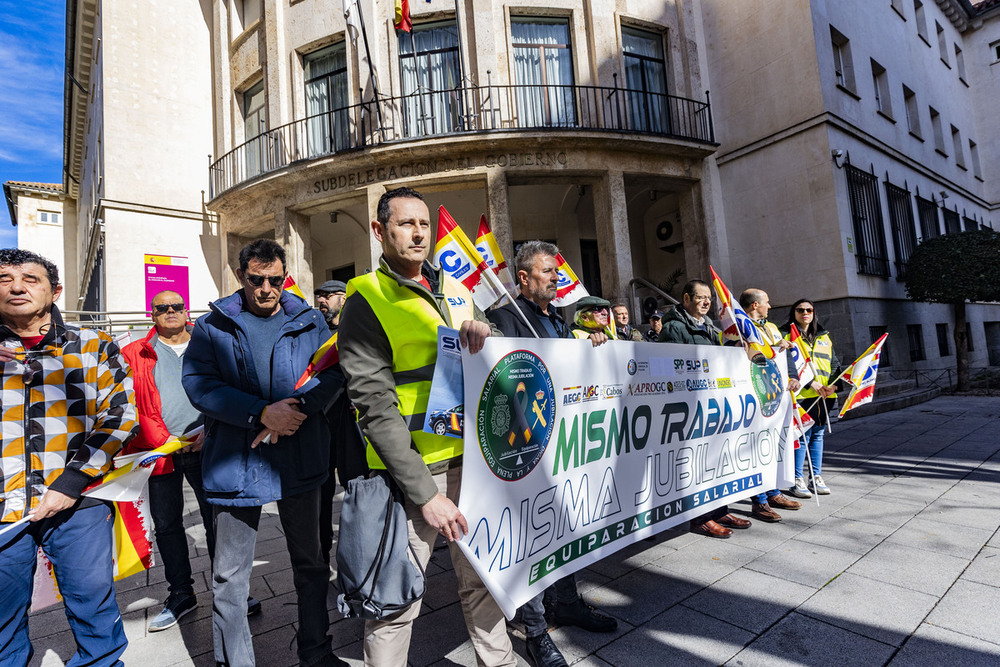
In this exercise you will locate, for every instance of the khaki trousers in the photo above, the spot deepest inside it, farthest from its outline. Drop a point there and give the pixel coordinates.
(387, 643)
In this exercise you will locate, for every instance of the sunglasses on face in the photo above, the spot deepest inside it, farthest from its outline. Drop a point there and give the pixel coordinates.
(164, 307)
(596, 310)
(803, 310)
(257, 281)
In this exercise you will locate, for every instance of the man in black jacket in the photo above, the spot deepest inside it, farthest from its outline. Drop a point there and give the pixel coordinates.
(537, 276)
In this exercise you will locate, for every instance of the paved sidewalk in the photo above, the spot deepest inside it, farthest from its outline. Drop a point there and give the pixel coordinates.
(900, 566)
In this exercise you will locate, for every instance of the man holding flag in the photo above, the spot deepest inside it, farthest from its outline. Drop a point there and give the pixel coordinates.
(756, 304)
(68, 408)
(388, 348)
(266, 441)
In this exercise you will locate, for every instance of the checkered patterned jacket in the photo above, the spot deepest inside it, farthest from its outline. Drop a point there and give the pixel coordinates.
(66, 408)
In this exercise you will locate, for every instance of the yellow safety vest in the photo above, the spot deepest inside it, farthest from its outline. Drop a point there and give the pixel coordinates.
(609, 331)
(410, 320)
(769, 331)
(822, 357)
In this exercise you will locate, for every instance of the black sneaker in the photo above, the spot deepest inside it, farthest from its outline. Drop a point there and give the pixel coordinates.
(176, 606)
(542, 652)
(253, 606)
(583, 616)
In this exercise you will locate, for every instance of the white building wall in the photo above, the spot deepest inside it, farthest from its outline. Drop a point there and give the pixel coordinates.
(148, 135)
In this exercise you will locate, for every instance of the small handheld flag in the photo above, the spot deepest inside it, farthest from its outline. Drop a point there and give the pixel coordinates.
(292, 287)
(799, 355)
(488, 247)
(326, 356)
(570, 289)
(861, 374)
(736, 324)
(456, 254)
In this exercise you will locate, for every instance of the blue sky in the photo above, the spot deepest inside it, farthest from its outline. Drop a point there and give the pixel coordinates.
(32, 35)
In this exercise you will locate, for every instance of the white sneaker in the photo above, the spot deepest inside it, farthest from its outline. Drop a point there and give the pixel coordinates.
(818, 486)
(800, 490)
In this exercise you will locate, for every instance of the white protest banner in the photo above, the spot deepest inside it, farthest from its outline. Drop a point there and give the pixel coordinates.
(573, 452)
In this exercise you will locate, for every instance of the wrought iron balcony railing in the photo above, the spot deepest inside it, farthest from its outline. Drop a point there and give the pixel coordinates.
(462, 111)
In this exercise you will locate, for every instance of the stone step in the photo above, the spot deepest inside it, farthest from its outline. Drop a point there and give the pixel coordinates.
(894, 401)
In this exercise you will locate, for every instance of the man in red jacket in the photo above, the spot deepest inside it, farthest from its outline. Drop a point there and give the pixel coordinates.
(165, 412)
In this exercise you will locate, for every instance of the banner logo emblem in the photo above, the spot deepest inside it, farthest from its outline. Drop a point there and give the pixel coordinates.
(517, 414)
(767, 384)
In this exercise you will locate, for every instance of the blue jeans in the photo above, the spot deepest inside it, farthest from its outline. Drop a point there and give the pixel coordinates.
(533, 611)
(166, 506)
(813, 440)
(762, 498)
(236, 535)
(78, 542)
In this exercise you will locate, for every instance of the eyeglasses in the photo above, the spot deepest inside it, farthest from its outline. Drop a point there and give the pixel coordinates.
(162, 308)
(803, 310)
(257, 281)
(596, 310)
(703, 299)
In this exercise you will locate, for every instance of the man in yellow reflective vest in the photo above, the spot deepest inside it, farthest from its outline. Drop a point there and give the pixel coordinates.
(388, 347)
(756, 304)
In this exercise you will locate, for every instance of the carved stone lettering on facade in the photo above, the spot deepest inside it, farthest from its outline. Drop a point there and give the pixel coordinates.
(365, 177)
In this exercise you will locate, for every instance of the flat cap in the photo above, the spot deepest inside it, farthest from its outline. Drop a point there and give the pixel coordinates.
(331, 287)
(592, 302)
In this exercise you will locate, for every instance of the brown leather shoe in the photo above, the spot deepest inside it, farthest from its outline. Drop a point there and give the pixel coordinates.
(711, 529)
(765, 513)
(731, 521)
(784, 502)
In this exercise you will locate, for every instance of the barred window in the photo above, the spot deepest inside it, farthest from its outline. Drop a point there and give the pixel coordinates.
(904, 233)
(915, 337)
(866, 213)
(970, 224)
(952, 223)
(944, 348)
(927, 212)
(884, 360)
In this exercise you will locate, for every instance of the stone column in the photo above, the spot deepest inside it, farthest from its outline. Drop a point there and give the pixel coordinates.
(613, 238)
(292, 231)
(498, 212)
(374, 193)
(233, 244)
(276, 67)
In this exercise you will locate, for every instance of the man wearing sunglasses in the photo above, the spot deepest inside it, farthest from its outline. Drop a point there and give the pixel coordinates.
(265, 441)
(165, 412)
(68, 407)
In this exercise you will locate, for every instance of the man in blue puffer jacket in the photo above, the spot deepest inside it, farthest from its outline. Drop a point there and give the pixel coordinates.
(265, 441)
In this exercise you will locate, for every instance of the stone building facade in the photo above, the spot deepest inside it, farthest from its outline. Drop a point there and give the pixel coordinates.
(803, 146)
(848, 132)
(584, 123)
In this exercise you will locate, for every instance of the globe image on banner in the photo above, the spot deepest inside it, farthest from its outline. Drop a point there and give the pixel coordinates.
(516, 415)
(768, 384)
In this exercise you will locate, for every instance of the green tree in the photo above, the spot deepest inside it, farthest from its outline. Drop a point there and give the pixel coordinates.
(956, 269)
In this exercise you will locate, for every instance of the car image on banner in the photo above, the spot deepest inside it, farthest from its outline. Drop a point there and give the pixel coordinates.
(447, 422)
